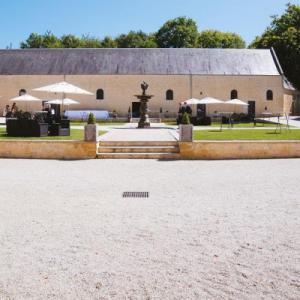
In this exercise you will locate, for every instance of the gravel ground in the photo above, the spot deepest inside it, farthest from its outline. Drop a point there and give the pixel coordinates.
(209, 230)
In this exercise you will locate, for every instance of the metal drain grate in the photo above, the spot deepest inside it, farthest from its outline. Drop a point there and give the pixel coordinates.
(135, 194)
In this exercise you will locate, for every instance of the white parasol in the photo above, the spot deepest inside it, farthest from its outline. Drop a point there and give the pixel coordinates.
(64, 88)
(25, 98)
(191, 101)
(236, 102)
(210, 100)
(65, 101)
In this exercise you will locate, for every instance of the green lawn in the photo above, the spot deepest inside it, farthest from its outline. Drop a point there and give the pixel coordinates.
(247, 134)
(76, 134)
(246, 125)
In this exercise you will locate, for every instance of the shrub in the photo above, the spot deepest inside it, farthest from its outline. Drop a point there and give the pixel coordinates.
(185, 119)
(91, 119)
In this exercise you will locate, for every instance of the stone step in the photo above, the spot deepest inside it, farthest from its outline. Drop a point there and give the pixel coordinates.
(170, 156)
(137, 143)
(138, 149)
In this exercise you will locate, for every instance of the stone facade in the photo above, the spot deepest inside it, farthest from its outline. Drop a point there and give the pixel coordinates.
(119, 91)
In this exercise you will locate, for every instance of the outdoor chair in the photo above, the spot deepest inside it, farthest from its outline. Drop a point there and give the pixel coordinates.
(25, 128)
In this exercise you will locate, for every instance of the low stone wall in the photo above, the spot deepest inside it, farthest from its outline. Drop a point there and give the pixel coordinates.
(47, 149)
(188, 150)
(239, 149)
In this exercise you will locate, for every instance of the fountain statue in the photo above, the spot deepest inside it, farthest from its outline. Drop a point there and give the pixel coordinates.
(144, 99)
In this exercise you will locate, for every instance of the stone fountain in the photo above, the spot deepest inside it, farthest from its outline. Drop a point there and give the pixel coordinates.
(144, 99)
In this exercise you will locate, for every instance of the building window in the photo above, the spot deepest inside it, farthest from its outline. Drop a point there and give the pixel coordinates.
(269, 95)
(234, 94)
(169, 95)
(22, 92)
(100, 94)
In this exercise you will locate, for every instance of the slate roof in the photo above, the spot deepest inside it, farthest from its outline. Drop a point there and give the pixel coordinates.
(139, 62)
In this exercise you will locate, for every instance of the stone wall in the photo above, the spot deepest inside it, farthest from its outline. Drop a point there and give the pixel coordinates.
(239, 149)
(47, 149)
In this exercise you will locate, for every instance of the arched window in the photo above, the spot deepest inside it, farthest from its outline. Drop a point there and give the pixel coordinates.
(22, 92)
(100, 94)
(234, 94)
(269, 95)
(169, 95)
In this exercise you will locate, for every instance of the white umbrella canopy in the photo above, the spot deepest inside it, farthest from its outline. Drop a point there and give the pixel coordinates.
(210, 100)
(63, 87)
(236, 102)
(191, 101)
(65, 101)
(25, 98)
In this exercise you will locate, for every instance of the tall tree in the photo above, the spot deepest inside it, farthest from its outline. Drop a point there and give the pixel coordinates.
(109, 42)
(284, 35)
(34, 40)
(71, 41)
(218, 39)
(88, 41)
(135, 39)
(181, 32)
(48, 40)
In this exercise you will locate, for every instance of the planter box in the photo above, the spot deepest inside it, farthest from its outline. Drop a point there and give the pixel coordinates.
(90, 132)
(185, 133)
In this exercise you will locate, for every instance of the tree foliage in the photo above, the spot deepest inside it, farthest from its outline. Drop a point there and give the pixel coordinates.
(48, 40)
(136, 39)
(181, 32)
(109, 42)
(284, 36)
(218, 39)
(70, 41)
(88, 41)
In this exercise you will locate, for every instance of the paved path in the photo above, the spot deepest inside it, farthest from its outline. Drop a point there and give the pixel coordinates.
(209, 230)
(130, 132)
(293, 121)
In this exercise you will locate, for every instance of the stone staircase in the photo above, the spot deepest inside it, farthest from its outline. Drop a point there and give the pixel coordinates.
(138, 150)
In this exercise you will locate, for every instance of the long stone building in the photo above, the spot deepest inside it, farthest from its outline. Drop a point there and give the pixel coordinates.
(173, 75)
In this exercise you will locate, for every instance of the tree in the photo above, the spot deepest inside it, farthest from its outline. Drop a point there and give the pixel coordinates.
(48, 40)
(284, 36)
(71, 41)
(135, 39)
(51, 41)
(34, 40)
(109, 42)
(88, 41)
(181, 32)
(218, 39)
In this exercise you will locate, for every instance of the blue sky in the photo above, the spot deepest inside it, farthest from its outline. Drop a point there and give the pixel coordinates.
(18, 18)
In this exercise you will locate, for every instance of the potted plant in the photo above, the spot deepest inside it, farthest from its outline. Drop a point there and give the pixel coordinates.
(91, 129)
(185, 129)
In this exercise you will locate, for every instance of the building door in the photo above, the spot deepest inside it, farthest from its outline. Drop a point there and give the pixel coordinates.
(201, 110)
(251, 109)
(136, 109)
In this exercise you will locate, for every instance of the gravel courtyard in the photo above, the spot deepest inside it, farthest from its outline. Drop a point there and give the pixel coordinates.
(209, 230)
